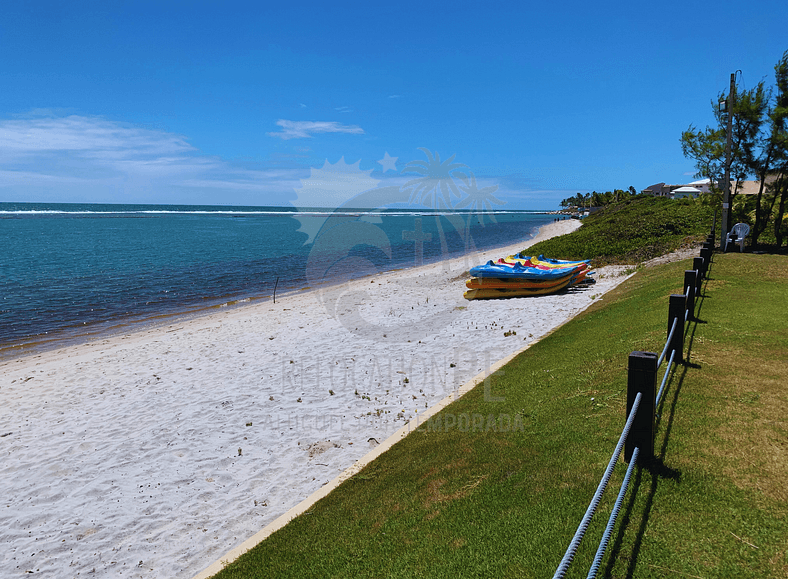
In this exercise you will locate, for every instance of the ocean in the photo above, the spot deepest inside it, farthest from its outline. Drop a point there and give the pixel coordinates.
(69, 272)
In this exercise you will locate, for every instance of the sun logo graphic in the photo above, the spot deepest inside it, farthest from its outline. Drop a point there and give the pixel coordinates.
(329, 188)
(347, 217)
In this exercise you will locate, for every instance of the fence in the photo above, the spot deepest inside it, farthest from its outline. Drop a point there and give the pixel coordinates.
(643, 398)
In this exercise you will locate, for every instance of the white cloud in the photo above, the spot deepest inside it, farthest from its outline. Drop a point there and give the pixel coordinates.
(76, 133)
(76, 158)
(306, 129)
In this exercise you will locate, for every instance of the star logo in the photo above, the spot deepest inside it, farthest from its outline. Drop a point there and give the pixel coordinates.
(389, 162)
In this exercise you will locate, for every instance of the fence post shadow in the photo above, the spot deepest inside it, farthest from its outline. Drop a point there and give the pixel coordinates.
(690, 341)
(700, 297)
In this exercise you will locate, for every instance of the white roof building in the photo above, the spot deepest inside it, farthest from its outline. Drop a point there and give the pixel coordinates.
(685, 191)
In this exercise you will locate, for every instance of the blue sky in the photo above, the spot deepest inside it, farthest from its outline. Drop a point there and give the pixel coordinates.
(241, 102)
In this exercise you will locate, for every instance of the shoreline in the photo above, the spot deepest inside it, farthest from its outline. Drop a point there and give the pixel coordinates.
(172, 445)
(124, 331)
(103, 330)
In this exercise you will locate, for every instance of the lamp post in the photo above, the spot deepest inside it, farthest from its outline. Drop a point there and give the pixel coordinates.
(726, 186)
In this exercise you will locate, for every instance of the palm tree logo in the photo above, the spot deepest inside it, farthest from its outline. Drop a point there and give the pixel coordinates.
(480, 201)
(436, 185)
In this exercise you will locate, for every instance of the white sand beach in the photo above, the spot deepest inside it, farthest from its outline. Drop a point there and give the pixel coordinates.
(152, 454)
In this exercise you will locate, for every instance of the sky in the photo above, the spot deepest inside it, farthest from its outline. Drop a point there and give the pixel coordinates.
(254, 103)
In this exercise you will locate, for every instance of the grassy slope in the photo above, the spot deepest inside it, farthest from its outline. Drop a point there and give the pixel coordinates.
(487, 504)
(635, 230)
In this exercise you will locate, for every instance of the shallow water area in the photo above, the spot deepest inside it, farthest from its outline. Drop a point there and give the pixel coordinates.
(73, 272)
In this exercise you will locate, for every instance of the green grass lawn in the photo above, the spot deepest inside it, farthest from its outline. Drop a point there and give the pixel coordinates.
(476, 502)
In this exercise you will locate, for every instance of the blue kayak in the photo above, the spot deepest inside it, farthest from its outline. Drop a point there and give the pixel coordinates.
(518, 271)
(561, 261)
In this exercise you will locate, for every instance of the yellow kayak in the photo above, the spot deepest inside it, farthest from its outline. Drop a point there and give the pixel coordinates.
(492, 293)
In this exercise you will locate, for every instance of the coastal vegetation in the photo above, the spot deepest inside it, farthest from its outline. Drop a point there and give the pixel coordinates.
(494, 502)
(597, 199)
(636, 229)
(759, 149)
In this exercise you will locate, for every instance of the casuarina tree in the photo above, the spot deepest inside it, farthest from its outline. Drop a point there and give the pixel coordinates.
(759, 148)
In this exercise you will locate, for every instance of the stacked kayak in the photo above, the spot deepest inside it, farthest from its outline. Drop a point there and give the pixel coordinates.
(542, 262)
(519, 275)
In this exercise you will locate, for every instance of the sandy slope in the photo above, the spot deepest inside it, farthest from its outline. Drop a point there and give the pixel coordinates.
(154, 453)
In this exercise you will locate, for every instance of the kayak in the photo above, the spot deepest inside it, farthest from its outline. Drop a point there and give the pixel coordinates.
(495, 293)
(560, 261)
(543, 262)
(513, 283)
(511, 260)
(535, 263)
(522, 275)
(519, 271)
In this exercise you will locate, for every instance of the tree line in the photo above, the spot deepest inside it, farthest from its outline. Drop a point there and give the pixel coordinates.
(596, 199)
(759, 150)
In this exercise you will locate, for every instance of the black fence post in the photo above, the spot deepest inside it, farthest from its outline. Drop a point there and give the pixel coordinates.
(689, 286)
(705, 253)
(676, 312)
(641, 377)
(697, 265)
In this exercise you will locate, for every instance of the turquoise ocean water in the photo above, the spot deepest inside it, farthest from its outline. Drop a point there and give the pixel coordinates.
(70, 271)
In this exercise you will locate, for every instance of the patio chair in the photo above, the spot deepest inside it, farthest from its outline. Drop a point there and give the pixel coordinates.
(737, 235)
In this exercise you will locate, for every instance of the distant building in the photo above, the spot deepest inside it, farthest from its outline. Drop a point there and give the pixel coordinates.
(657, 190)
(702, 186)
(678, 191)
(752, 187)
(684, 192)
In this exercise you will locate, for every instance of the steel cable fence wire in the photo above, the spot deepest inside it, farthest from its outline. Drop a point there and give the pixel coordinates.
(563, 566)
(611, 522)
(667, 343)
(665, 378)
